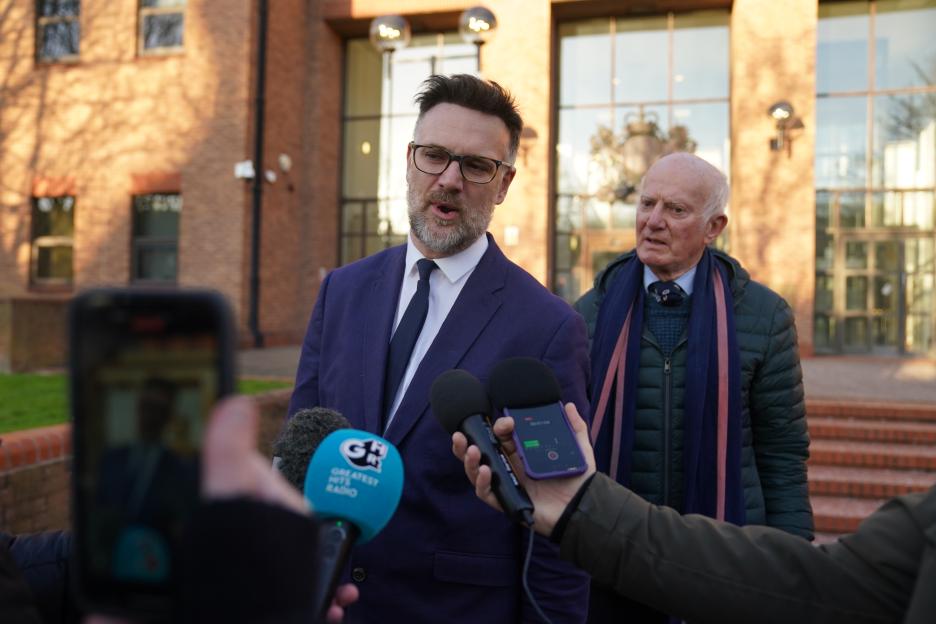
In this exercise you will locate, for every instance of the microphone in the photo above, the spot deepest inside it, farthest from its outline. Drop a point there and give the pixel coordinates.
(460, 403)
(354, 483)
(300, 437)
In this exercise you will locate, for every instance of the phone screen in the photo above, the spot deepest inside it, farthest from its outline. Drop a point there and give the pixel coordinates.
(146, 368)
(546, 441)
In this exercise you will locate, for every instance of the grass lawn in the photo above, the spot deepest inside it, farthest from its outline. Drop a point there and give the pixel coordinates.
(31, 400)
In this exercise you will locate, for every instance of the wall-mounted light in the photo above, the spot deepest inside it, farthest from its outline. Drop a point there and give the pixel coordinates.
(389, 33)
(477, 25)
(783, 113)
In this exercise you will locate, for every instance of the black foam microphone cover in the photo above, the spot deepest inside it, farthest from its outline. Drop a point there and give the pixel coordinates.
(299, 439)
(523, 382)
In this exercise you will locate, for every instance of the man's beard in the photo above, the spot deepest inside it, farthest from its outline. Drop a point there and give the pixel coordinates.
(447, 237)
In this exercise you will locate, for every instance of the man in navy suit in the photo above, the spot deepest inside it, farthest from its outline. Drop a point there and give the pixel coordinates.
(444, 557)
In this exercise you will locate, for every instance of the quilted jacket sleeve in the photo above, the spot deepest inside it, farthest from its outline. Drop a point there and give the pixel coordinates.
(778, 421)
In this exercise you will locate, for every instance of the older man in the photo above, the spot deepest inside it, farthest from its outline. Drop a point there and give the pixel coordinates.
(697, 390)
(385, 327)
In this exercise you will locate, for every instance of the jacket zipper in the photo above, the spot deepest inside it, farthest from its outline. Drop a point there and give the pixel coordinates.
(667, 391)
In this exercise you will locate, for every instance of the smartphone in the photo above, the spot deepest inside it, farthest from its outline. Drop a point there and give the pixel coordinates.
(146, 366)
(546, 441)
(528, 390)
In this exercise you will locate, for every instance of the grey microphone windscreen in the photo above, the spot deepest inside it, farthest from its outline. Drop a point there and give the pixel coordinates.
(301, 437)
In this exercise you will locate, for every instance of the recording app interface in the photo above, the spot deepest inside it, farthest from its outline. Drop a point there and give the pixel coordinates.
(545, 440)
(144, 405)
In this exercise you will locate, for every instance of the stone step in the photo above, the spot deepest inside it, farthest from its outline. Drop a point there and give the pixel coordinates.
(836, 514)
(872, 455)
(875, 411)
(846, 428)
(867, 482)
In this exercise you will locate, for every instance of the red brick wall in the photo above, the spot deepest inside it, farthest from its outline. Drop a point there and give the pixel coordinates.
(35, 469)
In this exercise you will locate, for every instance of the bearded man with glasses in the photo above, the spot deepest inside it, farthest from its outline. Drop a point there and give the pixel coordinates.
(385, 327)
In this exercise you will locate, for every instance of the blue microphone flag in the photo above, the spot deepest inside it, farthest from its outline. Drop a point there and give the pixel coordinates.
(355, 476)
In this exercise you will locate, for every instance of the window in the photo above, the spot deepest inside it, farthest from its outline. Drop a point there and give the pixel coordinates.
(53, 225)
(155, 237)
(379, 118)
(57, 29)
(630, 90)
(875, 173)
(162, 23)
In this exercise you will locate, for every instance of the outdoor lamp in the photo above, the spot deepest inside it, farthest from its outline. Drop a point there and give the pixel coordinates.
(389, 33)
(782, 113)
(477, 25)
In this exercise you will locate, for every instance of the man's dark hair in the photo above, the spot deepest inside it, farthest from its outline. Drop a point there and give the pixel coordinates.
(484, 96)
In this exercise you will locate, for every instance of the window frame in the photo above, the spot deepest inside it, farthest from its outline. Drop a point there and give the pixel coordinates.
(37, 242)
(143, 12)
(138, 243)
(44, 20)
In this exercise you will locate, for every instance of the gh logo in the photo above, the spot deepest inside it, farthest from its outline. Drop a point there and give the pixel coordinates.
(366, 454)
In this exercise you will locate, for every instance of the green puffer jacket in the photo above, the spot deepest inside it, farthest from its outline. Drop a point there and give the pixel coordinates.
(774, 435)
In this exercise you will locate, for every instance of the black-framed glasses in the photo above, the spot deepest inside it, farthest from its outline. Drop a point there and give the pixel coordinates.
(433, 160)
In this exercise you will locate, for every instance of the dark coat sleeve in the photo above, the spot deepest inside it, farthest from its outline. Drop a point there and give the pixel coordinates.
(17, 605)
(707, 571)
(778, 422)
(43, 560)
(306, 391)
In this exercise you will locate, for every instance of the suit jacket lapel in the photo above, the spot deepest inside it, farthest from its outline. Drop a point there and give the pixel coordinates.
(476, 304)
(381, 303)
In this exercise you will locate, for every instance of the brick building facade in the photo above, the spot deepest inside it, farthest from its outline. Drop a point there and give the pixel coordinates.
(115, 120)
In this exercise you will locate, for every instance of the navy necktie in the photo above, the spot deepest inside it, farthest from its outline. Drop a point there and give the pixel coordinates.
(669, 294)
(404, 338)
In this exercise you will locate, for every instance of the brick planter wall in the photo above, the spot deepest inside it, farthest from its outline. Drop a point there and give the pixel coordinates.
(35, 469)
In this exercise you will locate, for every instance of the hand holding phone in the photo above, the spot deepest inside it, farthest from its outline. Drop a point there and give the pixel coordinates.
(527, 390)
(146, 366)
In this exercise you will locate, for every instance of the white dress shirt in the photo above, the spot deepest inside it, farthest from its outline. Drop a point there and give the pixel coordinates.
(445, 284)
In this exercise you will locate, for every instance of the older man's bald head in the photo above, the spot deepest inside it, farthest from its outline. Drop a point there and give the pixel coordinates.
(708, 180)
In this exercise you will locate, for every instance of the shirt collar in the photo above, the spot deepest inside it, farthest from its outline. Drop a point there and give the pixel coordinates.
(453, 267)
(685, 280)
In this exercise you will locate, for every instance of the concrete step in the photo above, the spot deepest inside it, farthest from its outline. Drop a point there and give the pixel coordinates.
(876, 411)
(836, 514)
(880, 430)
(867, 482)
(872, 455)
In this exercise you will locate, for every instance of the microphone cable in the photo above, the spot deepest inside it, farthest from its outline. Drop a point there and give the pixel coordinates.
(525, 576)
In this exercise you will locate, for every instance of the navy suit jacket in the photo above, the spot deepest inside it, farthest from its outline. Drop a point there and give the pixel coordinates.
(444, 556)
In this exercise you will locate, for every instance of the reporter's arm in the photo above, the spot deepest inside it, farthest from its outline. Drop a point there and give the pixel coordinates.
(707, 571)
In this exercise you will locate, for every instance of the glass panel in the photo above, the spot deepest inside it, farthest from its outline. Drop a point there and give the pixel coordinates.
(156, 263)
(856, 292)
(887, 256)
(825, 251)
(580, 133)
(567, 215)
(163, 30)
(361, 158)
(566, 286)
(823, 331)
(904, 141)
(842, 47)
(703, 130)
(920, 309)
(53, 216)
(856, 332)
(54, 262)
(856, 255)
(918, 255)
(824, 292)
(363, 79)
(905, 48)
(885, 330)
(640, 63)
(163, 3)
(156, 215)
(886, 289)
(851, 210)
(585, 53)
(700, 55)
(351, 249)
(841, 142)
(54, 8)
(823, 210)
(59, 39)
